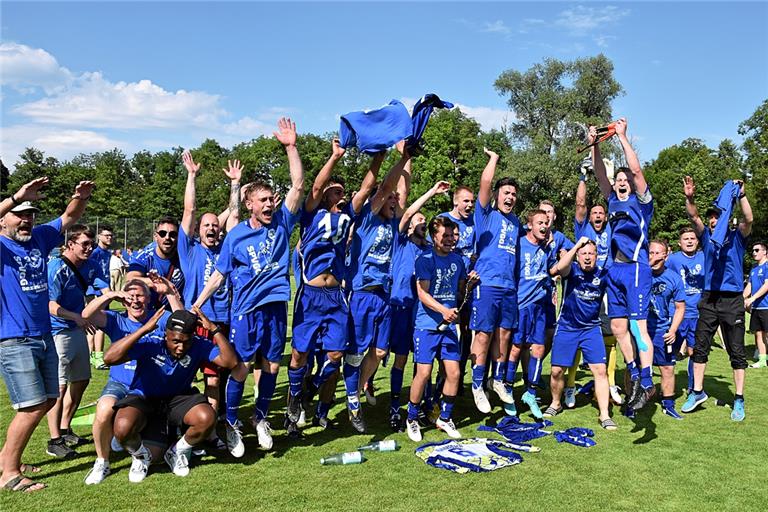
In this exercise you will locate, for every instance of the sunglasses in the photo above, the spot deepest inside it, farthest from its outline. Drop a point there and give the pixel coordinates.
(85, 245)
(170, 234)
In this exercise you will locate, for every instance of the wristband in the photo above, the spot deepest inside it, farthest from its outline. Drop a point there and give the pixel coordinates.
(214, 332)
(742, 196)
(13, 199)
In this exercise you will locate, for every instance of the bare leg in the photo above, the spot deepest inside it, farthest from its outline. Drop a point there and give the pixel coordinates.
(71, 402)
(556, 384)
(102, 426)
(54, 415)
(19, 431)
(601, 389)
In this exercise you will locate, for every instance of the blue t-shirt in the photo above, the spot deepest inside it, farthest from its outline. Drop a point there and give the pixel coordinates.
(444, 274)
(197, 263)
(323, 246)
(724, 271)
(582, 298)
(101, 258)
(757, 278)
(630, 220)
(404, 270)
(147, 260)
(372, 249)
(534, 262)
(602, 240)
(24, 282)
(560, 242)
(64, 288)
(496, 242)
(118, 326)
(465, 245)
(256, 261)
(667, 289)
(691, 271)
(158, 373)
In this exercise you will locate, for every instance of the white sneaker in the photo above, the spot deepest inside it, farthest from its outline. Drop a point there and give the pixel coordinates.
(481, 400)
(616, 395)
(302, 418)
(370, 397)
(139, 465)
(235, 443)
(448, 427)
(116, 446)
(177, 461)
(98, 472)
(501, 390)
(414, 431)
(570, 397)
(264, 433)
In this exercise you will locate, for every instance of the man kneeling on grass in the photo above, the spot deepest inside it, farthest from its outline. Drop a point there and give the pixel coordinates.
(161, 392)
(579, 325)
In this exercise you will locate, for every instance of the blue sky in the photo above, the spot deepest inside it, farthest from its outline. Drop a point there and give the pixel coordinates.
(90, 76)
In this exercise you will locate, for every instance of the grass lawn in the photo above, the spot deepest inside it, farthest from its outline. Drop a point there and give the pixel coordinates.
(705, 462)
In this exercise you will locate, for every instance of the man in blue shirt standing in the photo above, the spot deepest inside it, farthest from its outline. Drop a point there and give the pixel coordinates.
(101, 256)
(722, 302)
(756, 301)
(27, 352)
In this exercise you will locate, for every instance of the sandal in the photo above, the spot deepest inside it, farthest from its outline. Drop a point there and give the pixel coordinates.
(609, 424)
(551, 412)
(17, 484)
(29, 468)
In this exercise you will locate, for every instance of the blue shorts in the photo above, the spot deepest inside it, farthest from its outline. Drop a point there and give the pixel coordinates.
(427, 345)
(551, 314)
(115, 389)
(662, 356)
(629, 290)
(401, 335)
(320, 319)
(566, 343)
(371, 319)
(532, 325)
(262, 330)
(30, 368)
(687, 332)
(493, 307)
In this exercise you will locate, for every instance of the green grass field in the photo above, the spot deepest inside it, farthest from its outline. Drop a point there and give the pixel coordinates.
(705, 462)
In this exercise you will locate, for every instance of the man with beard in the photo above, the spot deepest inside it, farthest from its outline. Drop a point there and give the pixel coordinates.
(101, 256)
(159, 257)
(255, 256)
(27, 352)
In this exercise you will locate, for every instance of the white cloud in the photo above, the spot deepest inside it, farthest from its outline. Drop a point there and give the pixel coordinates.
(26, 69)
(62, 143)
(581, 20)
(497, 26)
(488, 117)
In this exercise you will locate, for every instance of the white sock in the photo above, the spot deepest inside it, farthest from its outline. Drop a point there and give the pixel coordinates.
(138, 450)
(182, 445)
(104, 461)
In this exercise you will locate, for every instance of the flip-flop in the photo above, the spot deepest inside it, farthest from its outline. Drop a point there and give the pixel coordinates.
(609, 424)
(29, 468)
(550, 412)
(15, 485)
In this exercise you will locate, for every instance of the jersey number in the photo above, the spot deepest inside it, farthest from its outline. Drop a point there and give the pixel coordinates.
(341, 228)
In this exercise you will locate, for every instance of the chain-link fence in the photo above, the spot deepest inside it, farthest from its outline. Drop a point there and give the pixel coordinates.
(129, 233)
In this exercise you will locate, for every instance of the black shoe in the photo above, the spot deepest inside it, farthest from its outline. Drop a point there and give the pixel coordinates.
(635, 390)
(645, 396)
(423, 419)
(323, 422)
(291, 428)
(294, 408)
(356, 419)
(71, 439)
(397, 422)
(59, 449)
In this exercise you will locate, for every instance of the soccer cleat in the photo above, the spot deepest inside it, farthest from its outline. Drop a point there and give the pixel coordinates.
(235, 443)
(615, 393)
(139, 465)
(302, 418)
(644, 398)
(324, 423)
(481, 400)
(264, 434)
(693, 401)
(570, 397)
(115, 445)
(396, 421)
(177, 461)
(635, 390)
(670, 411)
(370, 395)
(292, 429)
(501, 390)
(448, 427)
(356, 419)
(530, 400)
(98, 472)
(414, 431)
(294, 408)
(510, 409)
(59, 449)
(737, 414)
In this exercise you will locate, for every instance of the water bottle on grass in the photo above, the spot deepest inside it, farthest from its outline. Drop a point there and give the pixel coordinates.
(388, 445)
(343, 459)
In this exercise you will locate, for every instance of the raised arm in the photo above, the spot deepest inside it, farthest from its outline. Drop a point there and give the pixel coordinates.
(118, 351)
(321, 180)
(213, 284)
(641, 186)
(190, 202)
(28, 192)
(403, 189)
(746, 209)
(581, 201)
(597, 163)
(227, 357)
(77, 205)
(369, 181)
(231, 216)
(94, 310)
(390, 181)
(486, 179)
(441, 187)
(563, 266)
(689, 189)
(286, 134)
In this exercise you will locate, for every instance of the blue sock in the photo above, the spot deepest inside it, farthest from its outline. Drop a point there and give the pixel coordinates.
(646, 377)
(690, 373)
(509, 377)
(478, 376)
(322, 409)
(234, 397)
(413, 411)
(534, 373)
(667, 403)
(296, 379)
(497, 370)
(634, 372)
(267, 383)
(325, 371)
(396, 386)
(351, 383)
(446, 407)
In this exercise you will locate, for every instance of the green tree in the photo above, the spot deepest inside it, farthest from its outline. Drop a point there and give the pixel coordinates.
(755, 147)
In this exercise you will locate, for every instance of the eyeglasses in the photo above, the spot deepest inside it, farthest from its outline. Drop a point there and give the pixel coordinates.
(85, 245)
(756, 250)
(170, 234)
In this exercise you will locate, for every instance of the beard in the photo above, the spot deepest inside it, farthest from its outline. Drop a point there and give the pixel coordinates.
(20, 238)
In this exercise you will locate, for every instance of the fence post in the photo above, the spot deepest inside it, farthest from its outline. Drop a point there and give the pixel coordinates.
(125, 233)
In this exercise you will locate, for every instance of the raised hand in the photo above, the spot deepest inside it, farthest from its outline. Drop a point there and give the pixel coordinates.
(83, 190)
(152, 322)
(591, 135)
(491, 154)
(621, 126)
(472, 279)
(689, 187)
(441, 187)
(85, 325)
(234, 170)
(286, 132)
(203, 320)
(189, 163)
(337, 151)
(31, 191)
(582, 242)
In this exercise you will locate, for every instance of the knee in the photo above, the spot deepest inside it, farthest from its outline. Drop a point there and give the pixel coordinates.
(556, 372)
(400, 361)
(335, 357)
(380, 354)
(104, 411)
(619, 326)
(123, 428)
(203, 417)
(452, 374)
(212, 381)
(354, 360)
(239, 372)
(599, 372)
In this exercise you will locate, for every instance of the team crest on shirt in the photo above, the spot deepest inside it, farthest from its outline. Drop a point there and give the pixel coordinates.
(380, 249)
(659, 288)
(596, 281)
(31, 275)
(261, 258)
(185, 361)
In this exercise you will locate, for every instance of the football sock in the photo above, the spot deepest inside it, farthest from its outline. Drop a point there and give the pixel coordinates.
(267, 384)
(396, 386)
(234, 397)
(446, 407)
(478, 375)
(296, 379)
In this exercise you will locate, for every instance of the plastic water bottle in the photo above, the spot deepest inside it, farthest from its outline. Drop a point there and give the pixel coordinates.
(388, 445)
(343, 458)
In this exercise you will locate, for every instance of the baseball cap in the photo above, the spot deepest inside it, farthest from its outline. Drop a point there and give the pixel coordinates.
(182, 321)
(25, 207)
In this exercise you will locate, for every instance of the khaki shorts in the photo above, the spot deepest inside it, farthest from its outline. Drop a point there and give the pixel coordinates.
(74, 357)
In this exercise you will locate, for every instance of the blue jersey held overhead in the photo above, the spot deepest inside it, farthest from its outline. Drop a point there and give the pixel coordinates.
(120, 325)
(582, 298)
(667, 289)
(372, 250)
(100, 257)
(198, 263)
(64, 288)
(465, 245)
(602, 239)
(534, 261)
(691, 271)
(723, 269)
(256, 261)
(444, 274)
(323, 242)
(757, 278)
(24, 282)
(146, 260)
(404, 270)
(630, 220)
(496, 241)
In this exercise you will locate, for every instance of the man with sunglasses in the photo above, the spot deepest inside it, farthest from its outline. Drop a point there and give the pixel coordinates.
(101, 256)
(756, 301)
(159, 257)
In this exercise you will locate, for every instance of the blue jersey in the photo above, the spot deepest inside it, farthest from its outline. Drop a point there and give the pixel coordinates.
(118, 326)
(404, 270)
(477, 455)
(100, 257)
(256, 260)
(197, 263)
(667, 289)
(691, 271)
(582, 298)
(534, 262)
(496, 242)
(560, 242)
(158, 373)
(724, 270)
(146, 260)
(757, 278)
(602, 240)
(465, 245)
(630, 220)
(24, 282)
(323, 242)
(444, 274)
(372, 250)
(65, 289)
